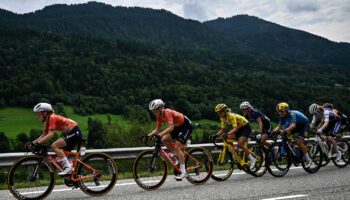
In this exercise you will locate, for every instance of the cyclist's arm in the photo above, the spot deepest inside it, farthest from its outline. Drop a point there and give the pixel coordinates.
(290, 128)
(154, 132)
(233, 131)
(325, 124)
(260, 124)
(46, 137)
(313, 122)
(167, 130)
(222, 131)
(321, 124)
(279, 127)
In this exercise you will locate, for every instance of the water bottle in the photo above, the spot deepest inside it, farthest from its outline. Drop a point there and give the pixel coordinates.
(173, 158)
(82, 151)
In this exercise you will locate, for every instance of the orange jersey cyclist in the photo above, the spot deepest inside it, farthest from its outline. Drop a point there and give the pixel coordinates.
(52, 123)
(241, 129)
(179, 129)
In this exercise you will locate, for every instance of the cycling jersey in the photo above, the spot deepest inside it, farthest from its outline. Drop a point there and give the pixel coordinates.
(233, 119)
(297, 118)
(171, 117)
(253, 115)
(59, 123)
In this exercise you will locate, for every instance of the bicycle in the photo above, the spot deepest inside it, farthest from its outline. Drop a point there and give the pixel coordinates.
(226, 155)
(281, 155)
(150, 166)
(342, 146)
(33, 177)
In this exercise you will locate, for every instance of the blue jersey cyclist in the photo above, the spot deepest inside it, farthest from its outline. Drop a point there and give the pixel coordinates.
(294, 123)
(264, 123)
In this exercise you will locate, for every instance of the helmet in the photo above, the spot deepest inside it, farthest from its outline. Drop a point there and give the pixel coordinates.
(313, 108)
(156, 104)
(282, 106)
(245, 105)
(220, 107)
(42, 107)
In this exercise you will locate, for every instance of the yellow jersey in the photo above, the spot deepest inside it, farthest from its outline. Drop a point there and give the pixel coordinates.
(233, 119)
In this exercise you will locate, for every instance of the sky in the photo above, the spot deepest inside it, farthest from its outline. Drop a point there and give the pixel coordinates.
(326, 18)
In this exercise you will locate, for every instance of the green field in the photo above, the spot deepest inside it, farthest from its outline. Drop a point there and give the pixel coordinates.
(16, 120)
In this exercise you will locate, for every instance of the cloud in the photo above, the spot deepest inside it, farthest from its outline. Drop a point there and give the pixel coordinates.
(298, 6)
(194, 10)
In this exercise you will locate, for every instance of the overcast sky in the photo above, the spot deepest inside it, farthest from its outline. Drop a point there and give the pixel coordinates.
(327, 18)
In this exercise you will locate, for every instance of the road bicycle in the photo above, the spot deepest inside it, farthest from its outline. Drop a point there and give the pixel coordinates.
(342, 146)
(33, 177)
(150, 167)
(281, 155)
(227, 155)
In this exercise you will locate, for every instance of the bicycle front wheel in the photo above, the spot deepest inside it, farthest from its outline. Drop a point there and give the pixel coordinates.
(343, 147)
(222, 167)
(277, 160)
(315, 154)
(101, 174)
(199, 165)
(149, 170)
(259, 169)
(31, 178)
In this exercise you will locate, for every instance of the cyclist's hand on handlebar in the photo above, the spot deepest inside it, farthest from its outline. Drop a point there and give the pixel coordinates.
(213, 137)
(144, 138)
(318, 132)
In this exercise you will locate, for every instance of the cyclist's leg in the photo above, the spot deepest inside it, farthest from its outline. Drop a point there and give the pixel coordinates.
(166, 139)
(265, 135)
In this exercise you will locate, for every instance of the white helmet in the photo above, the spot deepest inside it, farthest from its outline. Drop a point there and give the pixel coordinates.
(155, 104)
(313, 108)
(42, 107)
(245, 105)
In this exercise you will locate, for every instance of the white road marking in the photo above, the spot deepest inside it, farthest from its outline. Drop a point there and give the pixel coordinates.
(287, 197)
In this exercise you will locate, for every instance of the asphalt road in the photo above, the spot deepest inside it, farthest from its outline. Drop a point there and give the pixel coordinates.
(329, 183)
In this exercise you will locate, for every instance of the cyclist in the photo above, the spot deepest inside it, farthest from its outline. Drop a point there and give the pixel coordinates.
(52, 123)
(254, 115)
(330, 124)
(241, 129)
(295, 123)
(179, 128)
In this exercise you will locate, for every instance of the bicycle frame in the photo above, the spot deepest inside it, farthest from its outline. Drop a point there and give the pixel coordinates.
(229, 144)
(159, 150)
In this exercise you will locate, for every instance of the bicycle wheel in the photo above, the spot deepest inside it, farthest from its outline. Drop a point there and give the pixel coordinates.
(103, 174)
(278, 160)
(149, 170)
(258, 154)
(343, 147)
(221, 170)
(312, 149)
(201, 163)
(316, 155)
(27, 179)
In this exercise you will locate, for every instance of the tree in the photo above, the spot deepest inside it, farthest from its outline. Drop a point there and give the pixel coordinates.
(97, 134)
(4, 143)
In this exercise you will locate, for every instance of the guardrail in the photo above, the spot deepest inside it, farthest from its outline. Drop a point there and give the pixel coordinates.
(7, 159)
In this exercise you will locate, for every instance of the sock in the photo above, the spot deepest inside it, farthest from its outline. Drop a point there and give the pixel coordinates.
(250, 157)
(182, 168)
(306, 156)
(65, 162)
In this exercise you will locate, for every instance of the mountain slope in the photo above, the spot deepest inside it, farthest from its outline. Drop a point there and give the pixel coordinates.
(240, 34)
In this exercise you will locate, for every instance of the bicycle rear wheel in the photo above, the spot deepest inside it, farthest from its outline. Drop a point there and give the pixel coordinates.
(343, 147)
(104, 173)
(221, 170)
(149, 170)
(315, 154)
(31, 178)
(258, 154)
(277, 160)
(201, 165)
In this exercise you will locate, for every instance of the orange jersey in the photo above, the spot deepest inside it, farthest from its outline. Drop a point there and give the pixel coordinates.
(171, 117)
(59, 123)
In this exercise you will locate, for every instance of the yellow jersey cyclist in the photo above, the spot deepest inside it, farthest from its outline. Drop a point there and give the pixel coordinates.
(330, 124)
(263, 121)
(295, 123)
(52, 122)
(240, 131)
(179, 129)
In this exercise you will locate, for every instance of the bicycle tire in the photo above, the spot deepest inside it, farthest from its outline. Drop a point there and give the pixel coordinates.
(221, 171)
(143, 174)
(102, 163)
(343, 146)
(315, 155)
(28, 164)
(260, 170)
(203, 173)
(281, 163)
